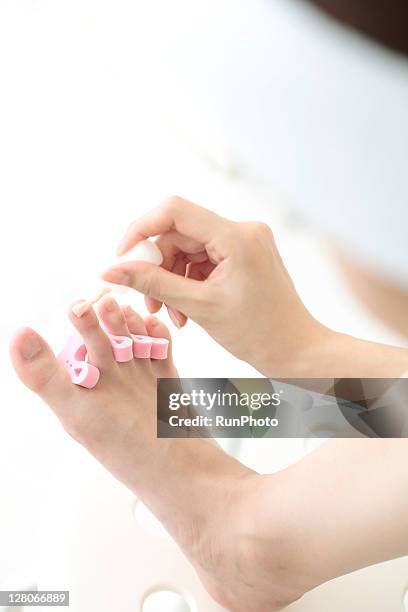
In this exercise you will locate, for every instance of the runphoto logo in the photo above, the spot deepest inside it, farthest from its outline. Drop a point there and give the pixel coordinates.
(222, 399)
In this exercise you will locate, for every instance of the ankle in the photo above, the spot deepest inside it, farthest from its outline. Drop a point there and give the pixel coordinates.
(270, 540)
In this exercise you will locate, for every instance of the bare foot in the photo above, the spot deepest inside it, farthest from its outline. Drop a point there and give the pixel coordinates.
(117, 419)
(203, 496)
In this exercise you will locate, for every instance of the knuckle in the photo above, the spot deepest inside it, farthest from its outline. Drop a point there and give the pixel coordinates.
(46, 379)
(264, 229)
(143, 285)
(256, 236)
(150, 285)
(231, 230)
(258, 229)
(227, 240)
(173, 203)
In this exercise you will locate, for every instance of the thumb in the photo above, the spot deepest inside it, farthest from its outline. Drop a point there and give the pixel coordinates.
(182, 293)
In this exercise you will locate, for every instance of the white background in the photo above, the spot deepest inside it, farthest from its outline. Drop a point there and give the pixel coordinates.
(87, 143)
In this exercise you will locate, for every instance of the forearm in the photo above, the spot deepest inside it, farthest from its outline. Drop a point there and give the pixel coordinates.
(322, 353)
(344, 356)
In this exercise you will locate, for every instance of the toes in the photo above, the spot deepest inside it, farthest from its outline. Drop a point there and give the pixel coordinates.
(97, 343)
(38, 369)
(157, 329)
(136, 326)
(112, 317)
(134, 321)
(113, 321)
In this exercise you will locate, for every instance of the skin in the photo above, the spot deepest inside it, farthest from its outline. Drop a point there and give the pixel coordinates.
(243, 532)
(216, 271)
(387, 301)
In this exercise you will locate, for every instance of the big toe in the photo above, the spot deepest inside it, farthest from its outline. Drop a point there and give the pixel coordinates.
(37, 367)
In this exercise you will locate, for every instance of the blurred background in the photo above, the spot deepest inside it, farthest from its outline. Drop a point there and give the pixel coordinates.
(264, 110)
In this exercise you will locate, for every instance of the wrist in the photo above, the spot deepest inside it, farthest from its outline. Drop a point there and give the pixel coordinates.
(315, 351)
(325, 353)
(302, 354)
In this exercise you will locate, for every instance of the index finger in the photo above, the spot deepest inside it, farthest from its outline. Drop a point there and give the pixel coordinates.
(177, 214)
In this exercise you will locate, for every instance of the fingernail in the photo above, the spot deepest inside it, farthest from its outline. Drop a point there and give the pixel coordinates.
(174, 318)
(180, 319)
(30, 348)
(113, 275)
(121, 247)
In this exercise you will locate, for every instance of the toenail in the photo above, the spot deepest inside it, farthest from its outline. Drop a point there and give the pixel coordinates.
(110, 305)
(127, 310)
(30, 347)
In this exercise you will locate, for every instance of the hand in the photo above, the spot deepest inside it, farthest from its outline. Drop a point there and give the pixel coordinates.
(226, 276)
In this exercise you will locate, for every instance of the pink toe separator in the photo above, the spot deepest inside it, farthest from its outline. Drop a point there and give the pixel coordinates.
(160, 347)
(142, 346)
(73, 355)
(146, 346)
(122, 347)
(72, 358)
